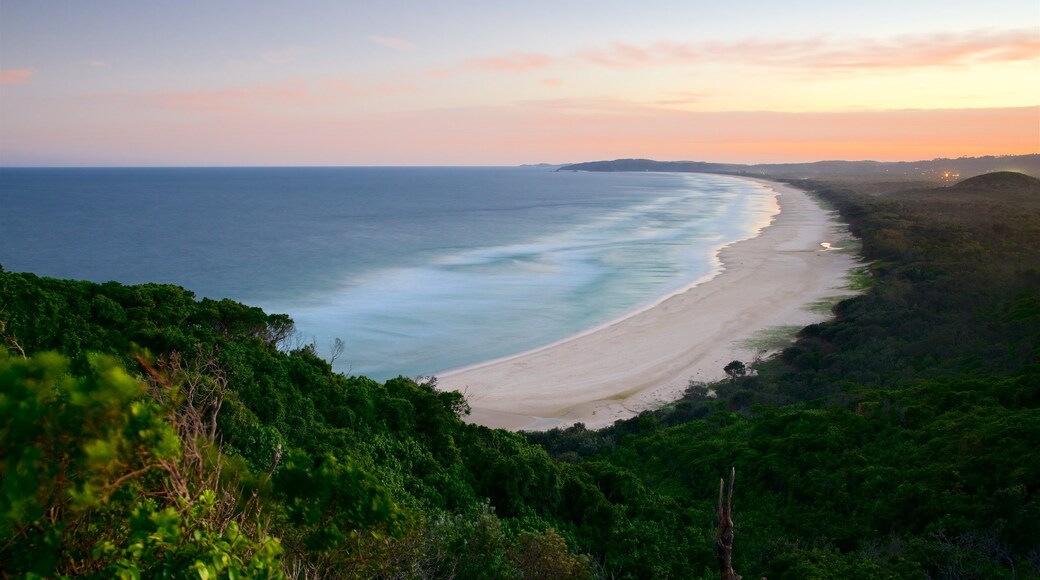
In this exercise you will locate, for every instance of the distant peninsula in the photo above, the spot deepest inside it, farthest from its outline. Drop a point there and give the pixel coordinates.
(935, 169)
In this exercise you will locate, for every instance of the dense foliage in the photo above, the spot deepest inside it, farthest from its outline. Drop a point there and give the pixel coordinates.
(148, 433)
(225, 451)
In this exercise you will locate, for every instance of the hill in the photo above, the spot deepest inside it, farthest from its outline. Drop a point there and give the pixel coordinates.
(935, 170)
(1001, 181)
(651, 165)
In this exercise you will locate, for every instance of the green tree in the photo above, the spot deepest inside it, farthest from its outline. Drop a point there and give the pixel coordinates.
(735, 369)
(91, 481)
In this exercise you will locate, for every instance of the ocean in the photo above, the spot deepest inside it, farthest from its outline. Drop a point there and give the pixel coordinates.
(417, 270)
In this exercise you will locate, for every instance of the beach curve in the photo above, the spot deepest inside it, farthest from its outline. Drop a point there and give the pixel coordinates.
(644, 360)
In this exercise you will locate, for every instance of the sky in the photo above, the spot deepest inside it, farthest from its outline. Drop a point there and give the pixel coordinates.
(131, 83)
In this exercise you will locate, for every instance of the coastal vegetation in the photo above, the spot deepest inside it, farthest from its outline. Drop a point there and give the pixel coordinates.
(897, 439)
(146, 433)
(863, 175)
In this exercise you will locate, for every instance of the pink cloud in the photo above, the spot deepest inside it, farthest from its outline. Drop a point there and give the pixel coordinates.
(587, 107)
(907, 51)
(515, 62)
(622, 55)
(352, 89)
(438, 73)
(816, 54)
(15, 76)
(683, 98)
(395, 43)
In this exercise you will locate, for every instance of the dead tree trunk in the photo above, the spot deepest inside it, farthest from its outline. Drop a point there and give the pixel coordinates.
(724, 539)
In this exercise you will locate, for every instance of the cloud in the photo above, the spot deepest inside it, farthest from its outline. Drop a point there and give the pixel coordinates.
(390, 42)
(96, 63)
(515, 62)
(16, 76)
(912, 51)
(378, 90)
(683, 98)
(823, 53)
(586, 106)
(814, 53)
(623, 55)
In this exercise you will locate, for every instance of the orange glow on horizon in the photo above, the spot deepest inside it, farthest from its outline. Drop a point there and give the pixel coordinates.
(534, 135)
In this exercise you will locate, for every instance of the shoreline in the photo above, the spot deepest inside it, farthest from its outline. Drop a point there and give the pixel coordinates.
(717, 268)
(648, 357)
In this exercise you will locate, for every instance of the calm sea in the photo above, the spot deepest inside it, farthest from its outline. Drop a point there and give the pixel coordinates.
(417, 270)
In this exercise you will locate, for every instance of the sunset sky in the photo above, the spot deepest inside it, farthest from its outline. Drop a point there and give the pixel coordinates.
(475, 83)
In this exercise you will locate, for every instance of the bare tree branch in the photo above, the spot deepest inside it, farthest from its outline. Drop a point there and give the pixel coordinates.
(724, 539)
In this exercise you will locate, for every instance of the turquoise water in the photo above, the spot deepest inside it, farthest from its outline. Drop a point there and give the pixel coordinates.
(417, 270)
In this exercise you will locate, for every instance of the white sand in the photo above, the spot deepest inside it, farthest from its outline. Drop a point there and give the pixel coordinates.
(647, 359)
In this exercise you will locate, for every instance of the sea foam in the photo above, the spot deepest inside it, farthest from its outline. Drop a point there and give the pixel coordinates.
(487, 302)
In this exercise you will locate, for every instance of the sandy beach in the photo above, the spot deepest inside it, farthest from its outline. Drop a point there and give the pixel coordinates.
(647, 359)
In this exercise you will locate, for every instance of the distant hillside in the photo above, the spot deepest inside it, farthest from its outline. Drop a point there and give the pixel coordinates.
(1018, 189)
(1001, 180)
(933, 170)
(651, 165)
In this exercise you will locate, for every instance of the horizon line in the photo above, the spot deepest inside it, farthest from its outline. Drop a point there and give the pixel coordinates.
(534, 164)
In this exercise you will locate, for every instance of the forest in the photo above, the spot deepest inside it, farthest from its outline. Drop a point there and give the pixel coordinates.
(148, 433)
(859, 173)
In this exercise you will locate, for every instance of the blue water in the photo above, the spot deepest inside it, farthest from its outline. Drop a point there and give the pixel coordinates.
(417, 270)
